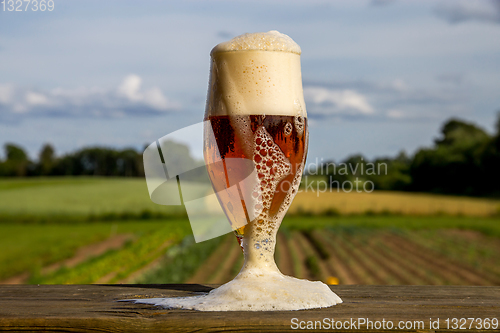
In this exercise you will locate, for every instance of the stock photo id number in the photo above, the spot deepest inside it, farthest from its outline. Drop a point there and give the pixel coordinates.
(27, 5)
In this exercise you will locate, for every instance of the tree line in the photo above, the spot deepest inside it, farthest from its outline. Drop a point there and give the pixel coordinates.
(89, 161)
(464, 160)
(92, 161)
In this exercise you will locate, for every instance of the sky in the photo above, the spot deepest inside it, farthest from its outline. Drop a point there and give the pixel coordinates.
(379, 76)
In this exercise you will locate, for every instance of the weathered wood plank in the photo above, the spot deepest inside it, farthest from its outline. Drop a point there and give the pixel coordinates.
(82, 308)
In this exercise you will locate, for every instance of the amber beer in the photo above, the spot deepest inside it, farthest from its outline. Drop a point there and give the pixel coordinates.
(256, 111)
(277, 146)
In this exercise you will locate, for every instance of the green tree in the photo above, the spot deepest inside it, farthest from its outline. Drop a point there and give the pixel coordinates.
(16, 163)
(397, 177)
(490, 161)
(457, 132)
(352, 167)
(129, 163)
(46, 159)
(454, 165)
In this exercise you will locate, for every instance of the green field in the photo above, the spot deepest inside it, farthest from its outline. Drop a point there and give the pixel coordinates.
(104, 230)
(489, 226)
(79, 197)
(76, 197)
(28, 248)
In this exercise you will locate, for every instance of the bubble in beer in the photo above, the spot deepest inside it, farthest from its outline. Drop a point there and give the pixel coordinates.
(271, 169)
(299, 124)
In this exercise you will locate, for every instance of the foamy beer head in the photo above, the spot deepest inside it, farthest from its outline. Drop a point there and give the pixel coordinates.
(256, 73)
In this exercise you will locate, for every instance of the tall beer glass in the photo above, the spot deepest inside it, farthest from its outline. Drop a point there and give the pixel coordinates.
(256, 112)
(255, 147)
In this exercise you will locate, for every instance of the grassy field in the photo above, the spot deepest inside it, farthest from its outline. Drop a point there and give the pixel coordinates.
(84, 196)
(488, 226)
(115, 265)
(400, 203)
(76, 197)
(335, 237)
(29, 248)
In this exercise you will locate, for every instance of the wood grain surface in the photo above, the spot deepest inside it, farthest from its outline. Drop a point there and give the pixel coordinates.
(83, 308)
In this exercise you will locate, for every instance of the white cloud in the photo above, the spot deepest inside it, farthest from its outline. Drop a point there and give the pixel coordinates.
(130, 88)
(384, 100)
(155, 98)
(325, 101)
(6, 92)
(129, 98)
(35, 98)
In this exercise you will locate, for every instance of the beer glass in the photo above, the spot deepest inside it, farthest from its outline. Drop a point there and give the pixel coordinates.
(273, 139)
(255, 146)
(255, 112)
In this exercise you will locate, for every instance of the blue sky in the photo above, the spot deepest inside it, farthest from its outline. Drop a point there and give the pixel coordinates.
(379, 76)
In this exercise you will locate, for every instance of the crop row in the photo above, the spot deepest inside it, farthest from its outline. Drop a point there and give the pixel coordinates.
(359, 257)
(340, 255)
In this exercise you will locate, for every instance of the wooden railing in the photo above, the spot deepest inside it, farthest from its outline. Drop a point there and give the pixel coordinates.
(83, 308)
